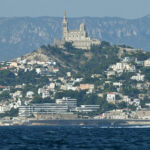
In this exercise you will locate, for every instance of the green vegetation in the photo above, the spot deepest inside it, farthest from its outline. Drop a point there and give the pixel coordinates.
(38, 99)
(12, 113)
(8, 78)
(84, 62)
(4, 96)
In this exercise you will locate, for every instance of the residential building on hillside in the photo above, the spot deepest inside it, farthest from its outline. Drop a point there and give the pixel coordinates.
(45, 94)
(147, 63)
(138, 77)
(86, 87)
(29, 94)
(111, 97)
(122, 66)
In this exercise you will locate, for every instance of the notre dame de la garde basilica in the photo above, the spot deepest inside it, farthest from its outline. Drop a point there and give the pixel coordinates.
(78, 38)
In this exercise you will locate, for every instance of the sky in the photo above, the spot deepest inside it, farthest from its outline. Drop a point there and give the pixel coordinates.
(75, 8)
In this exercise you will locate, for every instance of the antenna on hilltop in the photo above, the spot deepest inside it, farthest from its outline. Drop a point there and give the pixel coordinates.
(65, 14)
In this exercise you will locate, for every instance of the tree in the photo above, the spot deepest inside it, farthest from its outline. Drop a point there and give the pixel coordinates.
(5, 95)
(122, 105)
(68, 46)
(105, 44)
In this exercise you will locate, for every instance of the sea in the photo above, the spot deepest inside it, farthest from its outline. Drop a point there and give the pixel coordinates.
(74, 138)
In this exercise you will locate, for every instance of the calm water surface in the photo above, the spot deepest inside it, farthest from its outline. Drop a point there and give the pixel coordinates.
(74, 138)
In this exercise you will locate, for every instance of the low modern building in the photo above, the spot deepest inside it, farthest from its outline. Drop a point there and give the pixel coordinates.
(114, 114)
(45, 108)
(71, 103)
(87, 108)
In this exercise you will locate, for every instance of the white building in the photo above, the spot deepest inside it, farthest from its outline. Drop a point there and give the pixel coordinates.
(17, 94)
(147, 63)
(126, 99)
(17, 104)
(87, 108)
(52, 85)
(111, 97)
(114, 114)
(138, 77)
(70, 102)
(118, 84)
(4, 108)
(128, 59)
(45, 94)
(29, 94)
(45, 108)
(122, 66)
(41, 90)
(136, 102)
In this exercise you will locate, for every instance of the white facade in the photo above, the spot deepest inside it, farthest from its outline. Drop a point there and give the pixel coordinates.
(71, 103)
(87, 108)
(17, 94)
(52, 86)
(111, 97)
(138, 77)
(114, 114)
(119, 84)
(147, 63)
(46, 108)
(41, 90)
(126, 99)
(29, 94)
(121, 66)
(45, 94)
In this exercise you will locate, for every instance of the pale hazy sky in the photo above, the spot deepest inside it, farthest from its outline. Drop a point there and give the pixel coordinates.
(75, 8)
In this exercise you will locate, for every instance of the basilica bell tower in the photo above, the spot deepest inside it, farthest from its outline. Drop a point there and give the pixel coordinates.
(64, 27)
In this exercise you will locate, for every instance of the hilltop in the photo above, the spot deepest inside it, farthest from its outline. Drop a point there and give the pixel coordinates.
(82, 62)
(19, 36)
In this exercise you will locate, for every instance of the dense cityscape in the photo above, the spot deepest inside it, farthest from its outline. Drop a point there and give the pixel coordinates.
(76, 78)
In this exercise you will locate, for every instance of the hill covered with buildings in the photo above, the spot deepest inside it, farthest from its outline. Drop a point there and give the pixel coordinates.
(107, 81)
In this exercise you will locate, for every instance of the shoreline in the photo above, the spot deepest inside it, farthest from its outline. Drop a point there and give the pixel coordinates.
(76, 122)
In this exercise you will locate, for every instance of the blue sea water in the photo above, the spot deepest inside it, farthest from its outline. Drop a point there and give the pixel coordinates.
(73, 138)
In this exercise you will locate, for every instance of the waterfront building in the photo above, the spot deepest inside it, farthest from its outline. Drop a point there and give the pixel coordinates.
(114, 114)
(71, 103)
(78, 38)
(25, 111)
(45, 108)
(87, 108)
